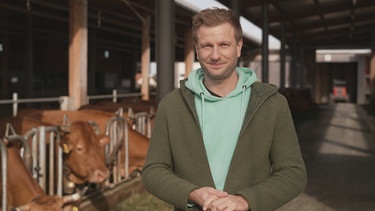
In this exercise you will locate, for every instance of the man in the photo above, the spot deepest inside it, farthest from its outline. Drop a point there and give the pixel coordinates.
(223, 141)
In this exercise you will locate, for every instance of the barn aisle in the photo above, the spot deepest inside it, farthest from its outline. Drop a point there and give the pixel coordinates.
(338, 145)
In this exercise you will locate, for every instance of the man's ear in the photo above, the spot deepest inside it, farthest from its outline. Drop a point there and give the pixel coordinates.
(239, 47)
(196, 52)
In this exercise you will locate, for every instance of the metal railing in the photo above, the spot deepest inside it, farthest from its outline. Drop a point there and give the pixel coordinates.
(4, 161)
(114, 96)
(15, 100)
(39, 137)
(141, 121)
(117, 151)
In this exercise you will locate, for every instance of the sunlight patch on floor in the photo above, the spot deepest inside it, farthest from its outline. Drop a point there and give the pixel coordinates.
(344, 134)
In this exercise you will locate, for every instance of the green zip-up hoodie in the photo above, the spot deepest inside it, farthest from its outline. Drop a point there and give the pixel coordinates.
(221, 119)
(267, 168)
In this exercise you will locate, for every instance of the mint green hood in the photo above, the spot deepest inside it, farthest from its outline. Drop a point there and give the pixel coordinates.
(195, 82)
(221, 119)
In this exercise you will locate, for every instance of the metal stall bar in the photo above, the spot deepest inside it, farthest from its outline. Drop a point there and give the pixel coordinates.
(38, 137)
(141, 121)
(117, 130)
(4, 160)
(42, 156)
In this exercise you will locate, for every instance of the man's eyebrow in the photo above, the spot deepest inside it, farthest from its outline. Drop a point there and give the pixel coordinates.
(226, 42)
(204, 43)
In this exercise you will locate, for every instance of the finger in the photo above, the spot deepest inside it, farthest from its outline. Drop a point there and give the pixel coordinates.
(208, 203)
(218, 193)
(222, 204)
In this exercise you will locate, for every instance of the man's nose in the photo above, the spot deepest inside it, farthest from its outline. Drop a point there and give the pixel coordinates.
(215, 53)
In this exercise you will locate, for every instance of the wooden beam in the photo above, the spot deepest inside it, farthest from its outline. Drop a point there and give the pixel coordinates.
(78, 52)
(189, 52)
(145, 60)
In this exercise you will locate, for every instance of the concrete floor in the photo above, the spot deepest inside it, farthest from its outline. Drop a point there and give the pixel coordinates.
(338, 145)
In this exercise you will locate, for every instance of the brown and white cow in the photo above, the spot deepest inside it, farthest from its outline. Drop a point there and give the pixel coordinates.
(82, 153)
(81, 148)
(138, 143)
(24, 193)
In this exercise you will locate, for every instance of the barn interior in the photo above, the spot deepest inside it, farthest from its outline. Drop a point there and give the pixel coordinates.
(35, 44)
(318, 42)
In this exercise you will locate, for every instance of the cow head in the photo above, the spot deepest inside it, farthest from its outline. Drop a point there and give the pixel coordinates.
(81, 148)
(23, 191)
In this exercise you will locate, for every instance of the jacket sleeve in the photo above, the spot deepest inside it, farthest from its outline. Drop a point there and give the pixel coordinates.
(157, 174)
(288, 175)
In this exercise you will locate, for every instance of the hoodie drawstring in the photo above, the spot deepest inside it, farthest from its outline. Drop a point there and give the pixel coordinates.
(202, 125)
(242, 106)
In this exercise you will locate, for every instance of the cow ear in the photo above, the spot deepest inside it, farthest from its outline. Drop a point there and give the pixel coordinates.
(104, 140)
(66, 145)
(64, 129)
(66, 148)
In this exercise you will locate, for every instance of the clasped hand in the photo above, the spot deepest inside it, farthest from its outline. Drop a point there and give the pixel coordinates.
(211, 199)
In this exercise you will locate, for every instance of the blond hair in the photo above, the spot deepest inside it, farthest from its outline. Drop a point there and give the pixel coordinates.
(213, 17)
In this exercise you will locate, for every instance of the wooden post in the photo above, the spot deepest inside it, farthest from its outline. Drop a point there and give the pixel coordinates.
(78, 52)
(145, 60)
(189, 52)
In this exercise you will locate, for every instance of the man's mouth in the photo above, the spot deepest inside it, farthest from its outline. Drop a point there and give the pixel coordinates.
(216, 65)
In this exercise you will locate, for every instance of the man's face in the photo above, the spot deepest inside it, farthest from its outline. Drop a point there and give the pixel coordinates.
(217, 51)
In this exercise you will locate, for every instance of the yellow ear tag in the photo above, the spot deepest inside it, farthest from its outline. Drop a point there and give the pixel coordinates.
(75, 209)
(66, 149)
